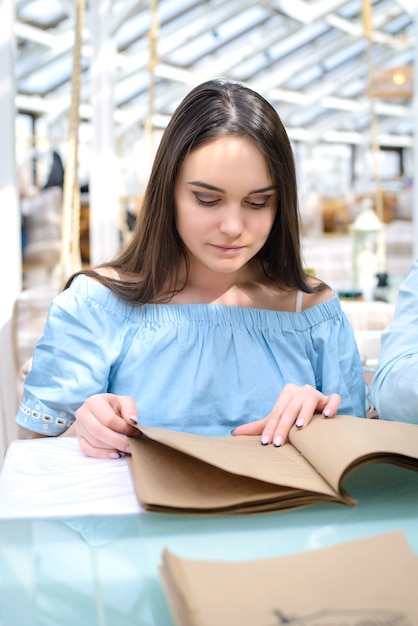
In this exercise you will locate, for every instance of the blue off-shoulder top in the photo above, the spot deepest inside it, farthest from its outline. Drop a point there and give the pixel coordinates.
(201, 368)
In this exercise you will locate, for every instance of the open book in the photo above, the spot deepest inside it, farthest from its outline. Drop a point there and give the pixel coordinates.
(365, 581)
(180, 472)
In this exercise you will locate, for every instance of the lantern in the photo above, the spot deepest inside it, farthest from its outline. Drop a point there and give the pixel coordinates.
(369, 249)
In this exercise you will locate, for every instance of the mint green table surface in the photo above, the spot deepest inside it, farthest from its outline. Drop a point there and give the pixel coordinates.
(104, 570)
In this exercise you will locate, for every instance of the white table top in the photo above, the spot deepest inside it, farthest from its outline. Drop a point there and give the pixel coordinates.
(52, 478)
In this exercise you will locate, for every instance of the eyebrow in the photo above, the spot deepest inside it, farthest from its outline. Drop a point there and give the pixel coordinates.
(198, 183)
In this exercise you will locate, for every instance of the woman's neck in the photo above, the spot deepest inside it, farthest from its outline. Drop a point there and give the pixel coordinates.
(205, 285)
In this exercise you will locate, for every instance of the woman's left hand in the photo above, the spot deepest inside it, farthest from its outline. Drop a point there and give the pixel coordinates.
(294, 406)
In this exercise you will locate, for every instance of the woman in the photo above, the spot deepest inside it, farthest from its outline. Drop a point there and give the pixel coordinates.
(394, 385)
(206, 321)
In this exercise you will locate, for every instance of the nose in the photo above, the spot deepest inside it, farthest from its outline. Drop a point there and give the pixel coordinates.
(231, 221)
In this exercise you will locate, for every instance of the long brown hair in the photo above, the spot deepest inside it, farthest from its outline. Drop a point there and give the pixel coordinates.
(150, 263)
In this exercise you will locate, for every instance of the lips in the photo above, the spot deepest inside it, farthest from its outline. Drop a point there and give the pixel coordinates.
(226, 248)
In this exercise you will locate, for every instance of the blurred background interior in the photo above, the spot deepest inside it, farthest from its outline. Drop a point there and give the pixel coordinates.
(87, 89)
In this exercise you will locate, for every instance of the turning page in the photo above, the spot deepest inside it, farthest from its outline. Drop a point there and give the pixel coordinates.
(181, 472)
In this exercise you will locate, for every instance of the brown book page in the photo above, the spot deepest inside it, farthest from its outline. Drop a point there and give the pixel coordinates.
(229, 472)
(337, 446)
(366, 581)
(245, 456)
(168, 480)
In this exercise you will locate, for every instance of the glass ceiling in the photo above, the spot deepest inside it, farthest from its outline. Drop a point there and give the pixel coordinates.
(307, 57)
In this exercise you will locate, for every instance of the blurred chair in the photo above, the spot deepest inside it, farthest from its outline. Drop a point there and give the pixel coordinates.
(42, 218)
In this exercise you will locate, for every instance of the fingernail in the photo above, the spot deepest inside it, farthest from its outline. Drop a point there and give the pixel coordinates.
(299, 422)
(326, 412)
(133, 419)
(264, 440)
(232, 431)
(128, 449)
(278, 441)
(116, 455)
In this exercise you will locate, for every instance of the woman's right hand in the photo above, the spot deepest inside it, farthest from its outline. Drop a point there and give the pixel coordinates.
(102, 424)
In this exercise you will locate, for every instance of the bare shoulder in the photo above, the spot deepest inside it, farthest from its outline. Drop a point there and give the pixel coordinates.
(107, 274)
(116, 274)
(312, 299)
(106, 271)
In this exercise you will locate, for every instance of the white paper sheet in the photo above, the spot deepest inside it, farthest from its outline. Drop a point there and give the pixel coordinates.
(52, 478)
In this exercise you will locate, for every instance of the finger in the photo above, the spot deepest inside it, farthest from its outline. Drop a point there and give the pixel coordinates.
(98, 452)
(284, 414)
(287, 395)
(299, 413)
(291, 409)
(102, 442)
(331, 405)
(99, 435)
(105, 410)
(277, 428)
(128, 410)
(103, 438)
(302, 417)
(252, 428)
(125, 419)
(267, 426)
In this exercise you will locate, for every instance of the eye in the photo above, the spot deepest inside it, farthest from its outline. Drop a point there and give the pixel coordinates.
(205, 199)
(259, 202)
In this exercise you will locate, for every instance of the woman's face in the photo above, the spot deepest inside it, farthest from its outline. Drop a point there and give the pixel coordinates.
(225, 203)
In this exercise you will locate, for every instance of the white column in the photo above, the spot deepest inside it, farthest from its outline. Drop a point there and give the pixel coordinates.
(10, 239)
(415, 156)
(104, 178)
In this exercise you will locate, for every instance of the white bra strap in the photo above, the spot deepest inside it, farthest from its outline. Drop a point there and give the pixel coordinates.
(299, 298)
